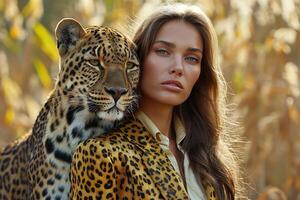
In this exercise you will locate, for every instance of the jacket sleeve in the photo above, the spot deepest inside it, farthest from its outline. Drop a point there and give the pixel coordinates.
(92, 171)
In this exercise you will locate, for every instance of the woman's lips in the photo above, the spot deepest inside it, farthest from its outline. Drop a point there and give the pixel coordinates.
(172, 85)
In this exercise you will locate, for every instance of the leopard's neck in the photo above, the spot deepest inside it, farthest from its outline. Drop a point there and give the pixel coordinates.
(66, 125)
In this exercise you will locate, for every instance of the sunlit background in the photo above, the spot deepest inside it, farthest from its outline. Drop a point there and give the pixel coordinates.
(260, 56)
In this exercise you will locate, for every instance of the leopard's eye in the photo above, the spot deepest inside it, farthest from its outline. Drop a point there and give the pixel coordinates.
(94, 62)
(129, 65)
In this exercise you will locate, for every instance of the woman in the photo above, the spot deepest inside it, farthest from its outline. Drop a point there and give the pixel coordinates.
(172, 148)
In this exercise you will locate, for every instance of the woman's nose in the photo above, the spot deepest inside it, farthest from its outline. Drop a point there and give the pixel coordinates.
(177, 66)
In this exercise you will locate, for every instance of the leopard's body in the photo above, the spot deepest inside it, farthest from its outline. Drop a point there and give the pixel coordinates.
(95, 88)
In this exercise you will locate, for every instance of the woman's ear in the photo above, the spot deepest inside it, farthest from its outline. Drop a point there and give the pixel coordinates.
(68, 32)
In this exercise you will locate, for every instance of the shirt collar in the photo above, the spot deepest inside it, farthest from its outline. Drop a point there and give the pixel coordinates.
(179, 130)
(152, 128)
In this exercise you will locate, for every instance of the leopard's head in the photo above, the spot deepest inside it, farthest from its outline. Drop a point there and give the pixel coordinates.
(99, 69)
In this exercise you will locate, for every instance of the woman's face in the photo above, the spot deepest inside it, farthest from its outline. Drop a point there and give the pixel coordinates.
(173, 64)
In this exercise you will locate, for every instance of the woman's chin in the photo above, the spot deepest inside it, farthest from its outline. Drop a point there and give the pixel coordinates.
(164, 98)
(171, 100)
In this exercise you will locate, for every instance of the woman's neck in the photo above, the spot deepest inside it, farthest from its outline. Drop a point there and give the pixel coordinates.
(161, 115)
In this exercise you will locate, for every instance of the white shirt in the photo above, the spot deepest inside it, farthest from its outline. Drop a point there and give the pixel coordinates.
(195, 191)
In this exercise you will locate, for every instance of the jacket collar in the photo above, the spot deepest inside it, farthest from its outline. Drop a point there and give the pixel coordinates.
(158, 166)
(152, 128)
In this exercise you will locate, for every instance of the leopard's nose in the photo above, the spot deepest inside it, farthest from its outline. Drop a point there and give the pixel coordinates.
(115, 92)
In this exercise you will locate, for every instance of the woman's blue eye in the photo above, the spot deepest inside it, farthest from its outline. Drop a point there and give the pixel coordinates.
(192, 59)
(162, 52)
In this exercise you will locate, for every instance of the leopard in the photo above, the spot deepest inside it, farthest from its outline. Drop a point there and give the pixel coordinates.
(95, 89)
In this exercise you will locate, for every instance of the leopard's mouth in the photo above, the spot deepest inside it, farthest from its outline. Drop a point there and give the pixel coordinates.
(111, 114)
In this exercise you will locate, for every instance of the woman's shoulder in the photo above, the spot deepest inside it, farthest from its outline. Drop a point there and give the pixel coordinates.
(107, 140)
(104, 148)
(129, 134)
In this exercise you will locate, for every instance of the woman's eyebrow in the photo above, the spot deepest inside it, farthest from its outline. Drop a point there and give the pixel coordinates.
(165, 42)
(192, 49)
(195, 50)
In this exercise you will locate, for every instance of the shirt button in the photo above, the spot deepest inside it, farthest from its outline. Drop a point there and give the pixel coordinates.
(158, 137)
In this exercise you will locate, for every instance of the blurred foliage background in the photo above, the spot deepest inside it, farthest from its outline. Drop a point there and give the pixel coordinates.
(260, 55)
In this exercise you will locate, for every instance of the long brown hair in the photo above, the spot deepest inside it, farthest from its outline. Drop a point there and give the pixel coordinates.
(203, 113)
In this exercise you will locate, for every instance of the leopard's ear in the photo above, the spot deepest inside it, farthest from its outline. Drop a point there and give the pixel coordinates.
(68, 32)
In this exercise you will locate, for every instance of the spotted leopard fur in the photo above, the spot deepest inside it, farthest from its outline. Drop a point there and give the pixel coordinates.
(95, 88)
